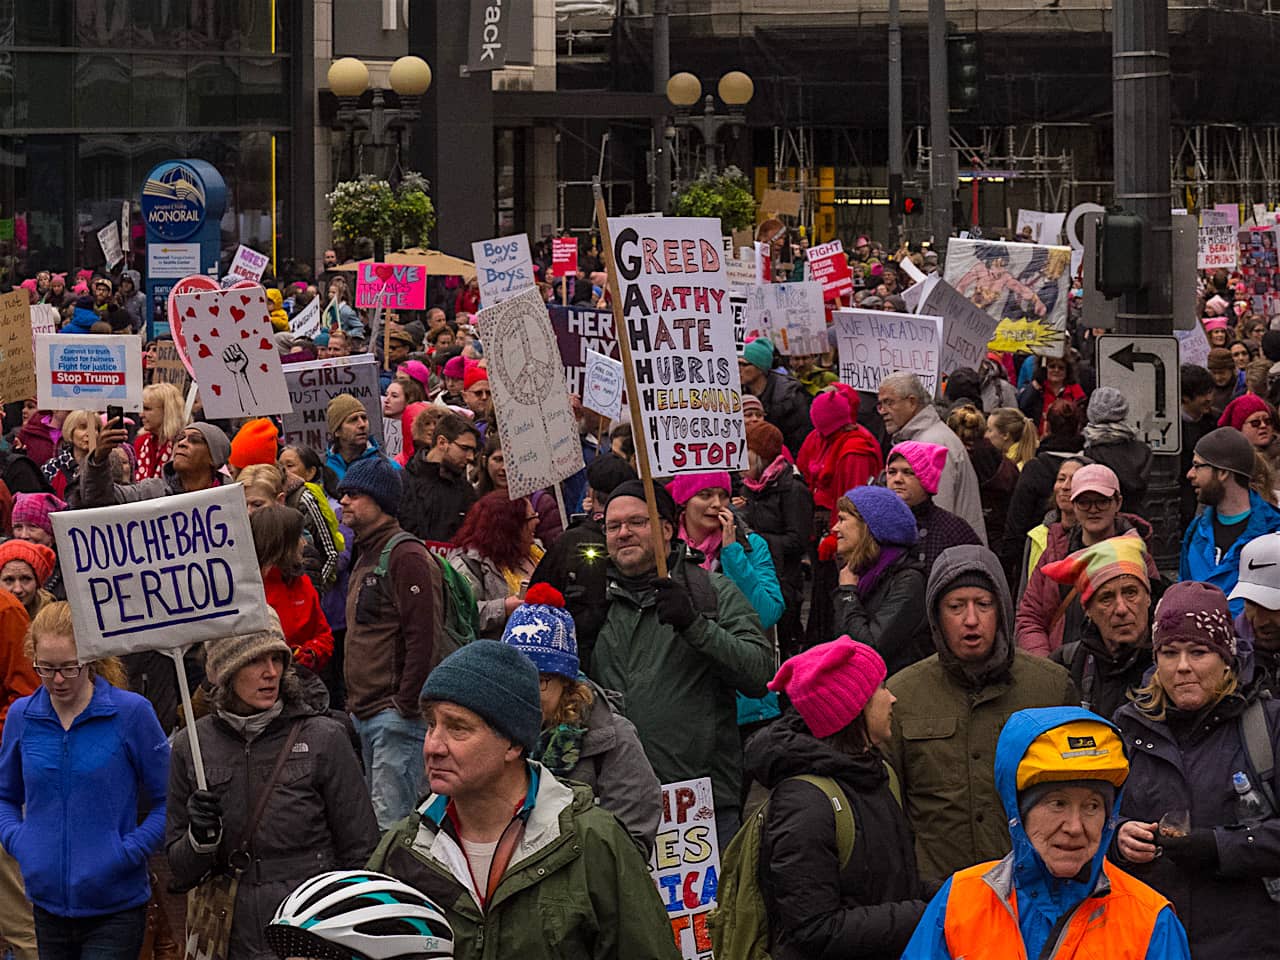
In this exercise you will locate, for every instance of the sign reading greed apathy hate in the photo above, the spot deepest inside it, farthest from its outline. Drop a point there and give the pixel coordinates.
(393, 286)
(17, 354)
(314, 383)
(686, 863)
(830, 267)
(89, 372)
(159, 574)
(503, 267)
(874, 344)
(539, 434)
(679, 326)
(1217, 244)
(564, 256)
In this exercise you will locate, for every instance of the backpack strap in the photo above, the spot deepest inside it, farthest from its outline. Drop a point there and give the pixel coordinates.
(846, 828)
(384, 558)
(1257, 745)
(895, 786)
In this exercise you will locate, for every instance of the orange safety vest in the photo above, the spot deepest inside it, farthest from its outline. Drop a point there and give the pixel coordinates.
(1117, 925)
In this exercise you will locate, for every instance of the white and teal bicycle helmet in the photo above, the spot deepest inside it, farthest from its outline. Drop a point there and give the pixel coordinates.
(348, 914)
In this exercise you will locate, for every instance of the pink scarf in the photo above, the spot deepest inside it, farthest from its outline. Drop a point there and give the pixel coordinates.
(770, 474)
(709, 547)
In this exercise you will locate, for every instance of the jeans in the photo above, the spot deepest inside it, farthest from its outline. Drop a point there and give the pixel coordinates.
(112, 936)
(391, 745)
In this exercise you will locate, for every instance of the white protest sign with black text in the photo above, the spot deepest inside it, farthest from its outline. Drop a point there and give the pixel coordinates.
(792, 314)
(503, 267)
(679, 325)
(88, 372)
(314, 383)
(1217, 242)
(248, 264)
(539, 434)
(159, 574)
(874, 344)
(602, 390)
(109, 240)
(307, 322)
(44, 319)
(966, 330)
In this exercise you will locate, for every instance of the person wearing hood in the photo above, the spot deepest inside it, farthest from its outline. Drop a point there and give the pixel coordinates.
(839, 454)
(677, 649)
(1112, 442)
(1111, 655)
(839, 717)
(951, 707)
(1048, 610)
(1258, 627)
(1060, 773)
(584, 737)
(133, 300)
(278, 315)
(199, 457)
(909, 414)
(1187, 730)
(912, 472)
(786, 402)
(880, 592)
(317, 814)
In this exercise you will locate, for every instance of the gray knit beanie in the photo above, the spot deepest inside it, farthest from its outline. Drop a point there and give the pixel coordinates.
(1107, 405)
(496, 681)
(224, 656)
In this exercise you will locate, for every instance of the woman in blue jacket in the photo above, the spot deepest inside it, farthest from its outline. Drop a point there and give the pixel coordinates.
(83, 772)
(710, 526)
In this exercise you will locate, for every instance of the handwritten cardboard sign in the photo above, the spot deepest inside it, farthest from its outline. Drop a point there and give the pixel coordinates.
(159, 574)
(604, 385)
(873, 344)
(679, 325)
(17, 351)
(1217, 244)
(686, 863)
(393, 286)
(88, 372)
(44, 319)
(248, 264)
(307, 323)
(503, 267)
(791, 314)
(966, 330)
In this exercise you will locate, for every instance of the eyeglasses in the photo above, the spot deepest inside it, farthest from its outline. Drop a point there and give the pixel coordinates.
(634, 523)
(889, 403)
(1201, 465)
(1093, 504)
(471, 447)
(1258, 422)
(69, 671)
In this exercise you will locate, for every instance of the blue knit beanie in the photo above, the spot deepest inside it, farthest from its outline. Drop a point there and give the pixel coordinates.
(542, 629)
(377, 477)
(496, 681)
(759, 353)
(886, 516)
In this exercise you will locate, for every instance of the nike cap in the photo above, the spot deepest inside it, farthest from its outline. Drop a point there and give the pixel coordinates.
(1260, 572)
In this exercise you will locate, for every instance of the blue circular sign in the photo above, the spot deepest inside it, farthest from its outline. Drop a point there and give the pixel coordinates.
(174, 202)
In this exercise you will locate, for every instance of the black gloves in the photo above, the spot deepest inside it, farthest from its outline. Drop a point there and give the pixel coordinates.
(1199, 848)
(204, 816)
(674, 605)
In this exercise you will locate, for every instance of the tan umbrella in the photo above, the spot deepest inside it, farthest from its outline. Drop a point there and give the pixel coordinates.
(437, 264)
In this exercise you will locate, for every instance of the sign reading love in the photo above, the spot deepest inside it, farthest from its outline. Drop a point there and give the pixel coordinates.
(392, 286)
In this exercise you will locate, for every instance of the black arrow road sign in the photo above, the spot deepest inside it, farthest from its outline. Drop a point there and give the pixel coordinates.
(1127, 357)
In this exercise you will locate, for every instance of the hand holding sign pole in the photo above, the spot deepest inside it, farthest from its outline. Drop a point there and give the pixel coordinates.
(629, 371)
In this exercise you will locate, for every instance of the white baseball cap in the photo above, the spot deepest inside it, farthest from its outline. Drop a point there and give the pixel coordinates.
(1260, 572)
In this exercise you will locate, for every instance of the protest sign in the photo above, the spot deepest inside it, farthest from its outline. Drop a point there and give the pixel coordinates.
(915, 294)
(540, 438)
(564, 257)
(88, 372)
(189, 284)
(740, 273)
(686, 863)
(873, 344)
(603, 389)
(580, 330)
(137, 572)
(124, 225)
(44, 319)
(1046, 228)
(738, 310)
(392, 436)
(791, 314)
(1193, 347)
(503, 267)
(109, 240)
(167, 366)
(966, 330)
(307, 323)
(393, 286)
(763, 261)
(232, 353)
(1022, 286)
(1259, 269)
(17, 350)
(1217, 244)
(785, 203)
(679, 328)
(829, 266)
(248, 264)
(312, 384)
(1229, 211)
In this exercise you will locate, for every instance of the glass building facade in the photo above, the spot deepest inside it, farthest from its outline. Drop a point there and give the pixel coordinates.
(93, 93)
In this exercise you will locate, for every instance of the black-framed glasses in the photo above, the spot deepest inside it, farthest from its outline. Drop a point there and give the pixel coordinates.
(69, 671)
(465, 446)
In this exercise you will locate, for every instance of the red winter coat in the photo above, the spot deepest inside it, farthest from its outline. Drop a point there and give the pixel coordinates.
(835, 464)
(306, 630)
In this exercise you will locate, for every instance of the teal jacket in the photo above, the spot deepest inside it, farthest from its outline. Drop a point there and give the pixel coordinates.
(679, 689)
(753, 573)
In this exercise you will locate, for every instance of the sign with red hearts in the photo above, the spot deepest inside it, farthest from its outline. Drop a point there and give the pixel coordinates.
(564, 256)
(392, 286)
(191, 284)
(233, 353)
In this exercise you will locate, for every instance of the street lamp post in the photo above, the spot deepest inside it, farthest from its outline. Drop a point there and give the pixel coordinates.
(735, 89)
(410, 77)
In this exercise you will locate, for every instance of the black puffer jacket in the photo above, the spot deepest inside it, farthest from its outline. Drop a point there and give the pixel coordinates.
(891, 617)
(782, 513)
(870, 908)
(576, 565)
(786, 406)
(435, 499)
(1130, 460)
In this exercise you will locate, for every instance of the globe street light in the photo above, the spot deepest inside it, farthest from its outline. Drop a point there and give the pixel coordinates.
(735, 89)
(410, 77)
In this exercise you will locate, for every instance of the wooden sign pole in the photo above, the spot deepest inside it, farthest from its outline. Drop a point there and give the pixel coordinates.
(629, 371)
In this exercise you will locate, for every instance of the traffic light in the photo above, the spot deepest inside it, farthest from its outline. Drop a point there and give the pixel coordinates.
(964, 69)
(912, 205)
